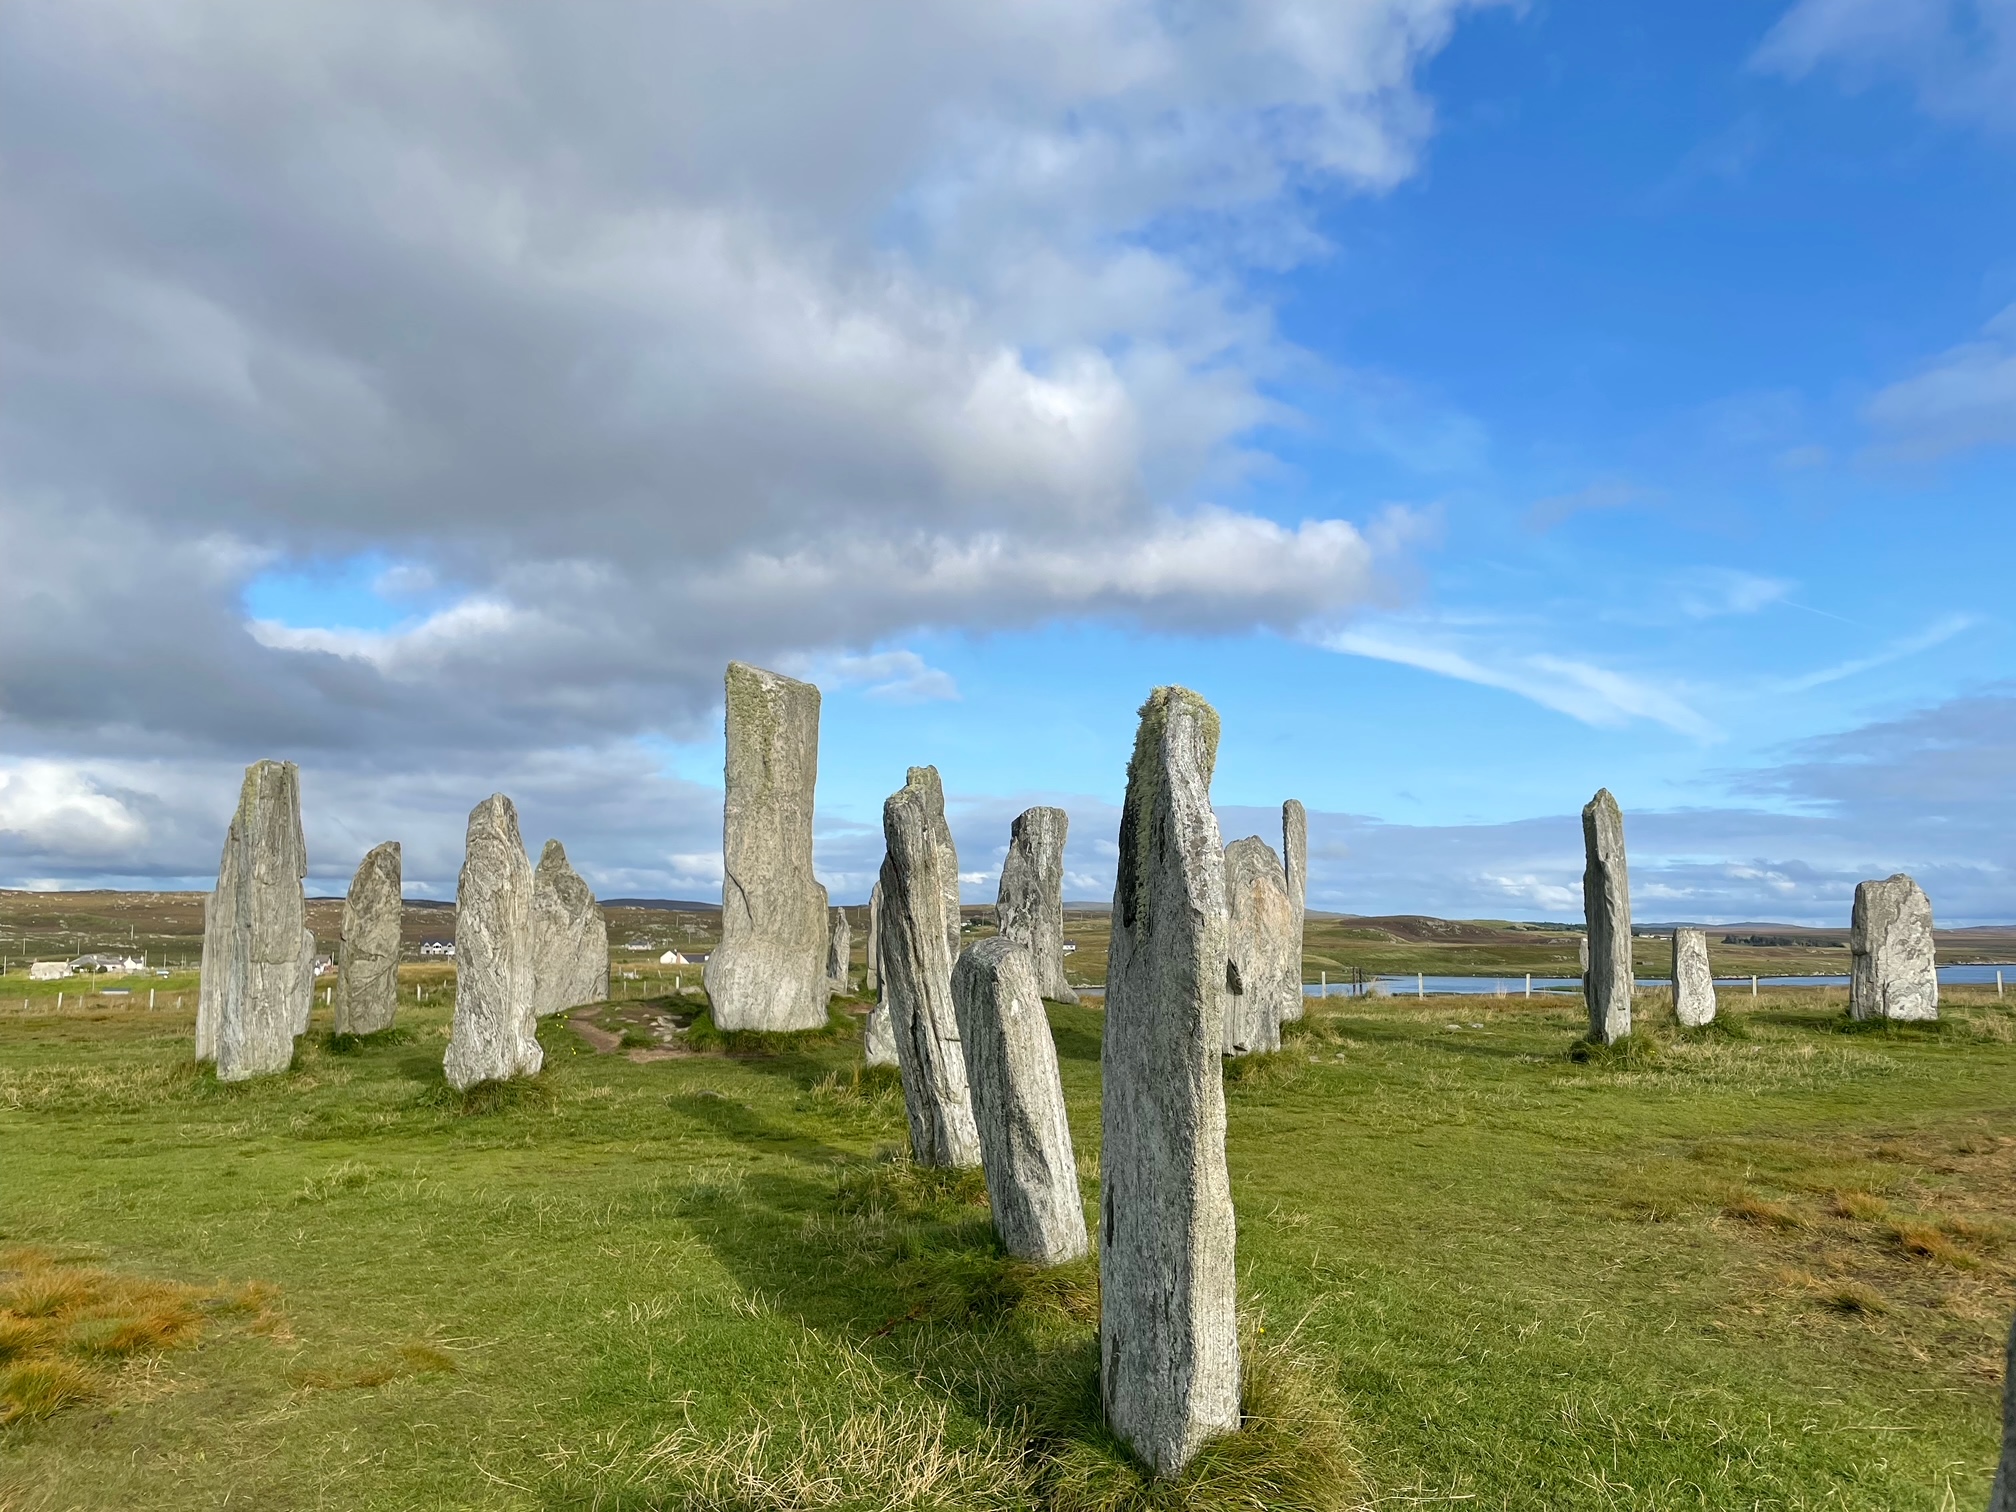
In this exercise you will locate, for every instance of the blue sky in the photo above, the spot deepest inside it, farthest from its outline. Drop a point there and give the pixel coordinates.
(1480, 404)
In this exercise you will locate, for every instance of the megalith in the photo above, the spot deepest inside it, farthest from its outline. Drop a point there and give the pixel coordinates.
(1295, 861)
(1029, 908)
(1893, 972)
(878, 1036)
(1168, 1327)
(1263, 966)
(1018, 1104)
(1606, 905)
(872, 947)
(1693, 982)
(367, 955)
(254, 930)
(839, 953)
(570, 938)
(769, 971)
(494, 1037)
(2002, 1498)
(920, 938)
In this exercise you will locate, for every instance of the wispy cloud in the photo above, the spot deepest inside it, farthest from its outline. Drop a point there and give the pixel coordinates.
(900, 677)
(1933, 635)
(1966, 397)
(1606, 493)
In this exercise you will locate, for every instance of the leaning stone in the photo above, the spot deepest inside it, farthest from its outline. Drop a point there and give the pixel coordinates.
(2002, 1498)
(494, 1037)
(1263, 977)
(1018, 1104)
(1606, 903)
(839, 953)
(1029, 908)
(769, 971)
(1168, 1328)
(1693, 982)
(1295, 861)
(1894, 972)
(570, 939)
(878, 1037)
(367, 957)
(920, 938)
(267, 980)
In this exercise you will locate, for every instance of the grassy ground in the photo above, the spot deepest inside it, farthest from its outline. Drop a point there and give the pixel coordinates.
(1763, 1267)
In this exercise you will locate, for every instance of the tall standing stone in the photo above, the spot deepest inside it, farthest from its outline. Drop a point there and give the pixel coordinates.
(570, 938)
(840, 953)
(2002, 1498)
(1894, 972)
(1693, 981)
(1295, 861)
(1263, 968)
(367, 956)
(1168, 1330)
(495, 1036)
(1018, 1104)
(920, 938)
(769, 971)
(1029, 908)
(872, 946)
(253, 932)
(1606, 903)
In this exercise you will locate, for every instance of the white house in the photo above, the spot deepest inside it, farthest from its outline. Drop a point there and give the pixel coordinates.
(673, 958)
(48, 971)
(437, 947)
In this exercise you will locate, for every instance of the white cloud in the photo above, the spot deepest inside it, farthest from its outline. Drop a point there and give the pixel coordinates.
(1958, 55)
(1932, 635)
(1966, 397)
(49, 806)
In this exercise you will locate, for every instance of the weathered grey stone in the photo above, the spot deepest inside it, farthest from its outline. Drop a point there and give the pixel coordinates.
(570, 938)
(1295, 861)
(1018, 1104)
(267, 980)
(839, 953)
(367, 956)
(220, 959)
(878, 1036)
(873, 944)
(920, 938)
(1606, 904)
(1263, 967)
(1168, 1330)
(495, 1034)
(2002, 1497)
(1693, 981)
(769, 971)
(1029, 908)
(1893, 972)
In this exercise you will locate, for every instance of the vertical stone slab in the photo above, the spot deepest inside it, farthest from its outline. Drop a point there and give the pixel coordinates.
(1894, 970)
(266, 980)
(494, 1037)
(878, 1037)
(570, 938)
(2002, 1498)
(769, 971)
(1018, 1104)
(1168, 1331)
(1693, 981)
(1263, 968)
(1029, 908)
(220, 957)
(1606, 904)
(920, 938)
(367, 956)
(840, 953)
(873, 945)
(1295, 861)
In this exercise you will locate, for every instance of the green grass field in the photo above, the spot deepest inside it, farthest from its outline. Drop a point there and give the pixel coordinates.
(1762, 1268)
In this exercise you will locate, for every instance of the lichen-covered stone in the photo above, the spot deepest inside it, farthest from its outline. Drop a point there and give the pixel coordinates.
(266, 982)
(1693, 981)
(1606, 903)
(1029, 908)
(570, 938)
(1263, 968)
(1168, 1329)
(494, 1036)
(367, 955)
(920, 938)
(839, 953)
(873, 946)
(1018, 1104)
(1295, 861)
(1893, 971)
(769, 971)
(878, 1037)
(220, 959)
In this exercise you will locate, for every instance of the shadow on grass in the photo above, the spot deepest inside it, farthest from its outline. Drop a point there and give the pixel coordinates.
(360, 1044)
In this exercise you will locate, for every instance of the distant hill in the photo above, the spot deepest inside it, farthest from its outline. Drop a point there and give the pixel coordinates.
(668, 905)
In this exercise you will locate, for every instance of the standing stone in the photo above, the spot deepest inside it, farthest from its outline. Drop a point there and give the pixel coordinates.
(1606, 905)
(494, 1036)
(1894, 974)
(873, 945)
(769, 971)
(266, 981)
(1018, 1104)
(1693, 982)
(1168, 1327)
(1263, 976)
(2002, 1498)
(570, 938)
(878, 1036)
(839, 953)
(920, 938)
(367, 956)
(220, 958)
(1295, 860)
(1029, 908)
